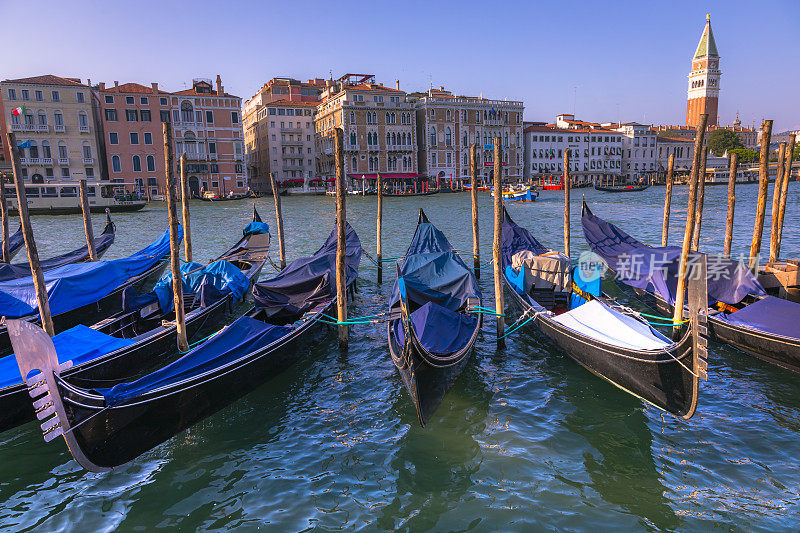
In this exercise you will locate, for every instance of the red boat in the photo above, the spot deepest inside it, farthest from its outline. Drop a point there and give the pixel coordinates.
(552, 184)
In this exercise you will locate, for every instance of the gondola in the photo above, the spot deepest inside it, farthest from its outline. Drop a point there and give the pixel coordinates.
(82, 293)
(432, 336)
(612, 342)
(15, 242)
(429, 192)
(142, 333)
(621, 188)
(742, 314)
(23, 269)
(216, 198)
(105, 427)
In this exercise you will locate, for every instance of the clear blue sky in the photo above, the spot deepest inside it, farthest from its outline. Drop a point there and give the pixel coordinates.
(629, 60)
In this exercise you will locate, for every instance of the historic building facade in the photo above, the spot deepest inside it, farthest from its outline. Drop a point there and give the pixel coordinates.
(52, 116)
(703, 92)
(447, 125)
(379, 127)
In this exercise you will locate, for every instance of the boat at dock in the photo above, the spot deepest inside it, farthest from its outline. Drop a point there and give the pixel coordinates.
(518, 193)
(61, 198)
(621, 188)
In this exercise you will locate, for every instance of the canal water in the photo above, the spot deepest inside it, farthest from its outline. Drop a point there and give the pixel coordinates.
(527, 440)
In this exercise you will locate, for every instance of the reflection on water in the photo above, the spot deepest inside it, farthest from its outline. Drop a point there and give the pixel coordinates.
(526, 440)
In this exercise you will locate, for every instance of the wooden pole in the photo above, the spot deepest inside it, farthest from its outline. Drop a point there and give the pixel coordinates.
(776, 202)
(279, 219)
(187, 231)
(4, 214)
(87, 219)
(174, 244)
(787, 175)
(763, 186)
(567, 185)
(726, 252)
(667, 200)
(680, 295)
(498, 238)
(30, 244)
(341, 242)
(473, 170)
(379, 185)
(701, 195)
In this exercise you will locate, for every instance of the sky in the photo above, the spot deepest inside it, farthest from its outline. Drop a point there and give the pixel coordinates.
(606, 61)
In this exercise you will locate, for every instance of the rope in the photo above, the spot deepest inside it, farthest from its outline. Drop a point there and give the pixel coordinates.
(195, 343)
(485, 311)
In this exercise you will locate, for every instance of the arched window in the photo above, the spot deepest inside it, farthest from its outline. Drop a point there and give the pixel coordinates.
(388, 138)
(33, 150)
(115, 164)
(505, 140)
(394, 138)
(83, 122)
(352, 137)
(354, 168)
(448, 137)
(42, 118)
(433, 136)
(87, 150)
(352, 117)
(465, 140)
(394, 118)
(187, 112)
(448, 114)
(387, 118)
(46, 150)
(151, 163)
(137, 164)
(517, 140)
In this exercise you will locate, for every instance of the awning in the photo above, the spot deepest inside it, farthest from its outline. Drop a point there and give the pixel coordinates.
(388, 176)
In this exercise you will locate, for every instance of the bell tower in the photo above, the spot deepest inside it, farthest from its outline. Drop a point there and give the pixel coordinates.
(703, 94)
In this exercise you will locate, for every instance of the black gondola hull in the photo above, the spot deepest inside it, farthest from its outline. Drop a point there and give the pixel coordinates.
(658, 379)
(120, 434)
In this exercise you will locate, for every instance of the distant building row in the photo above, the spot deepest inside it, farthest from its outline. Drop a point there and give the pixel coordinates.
(73, 130)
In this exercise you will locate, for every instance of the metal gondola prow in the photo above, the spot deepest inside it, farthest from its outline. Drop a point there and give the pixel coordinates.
(39, 366)
(698, 323)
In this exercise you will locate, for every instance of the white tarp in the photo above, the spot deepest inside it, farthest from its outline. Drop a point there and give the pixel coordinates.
(546, 271)
(600, 322)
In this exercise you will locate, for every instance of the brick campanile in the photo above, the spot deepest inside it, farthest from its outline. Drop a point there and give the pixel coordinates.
(703, 93)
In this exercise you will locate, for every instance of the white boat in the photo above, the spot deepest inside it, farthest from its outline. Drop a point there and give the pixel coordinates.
(61, 198)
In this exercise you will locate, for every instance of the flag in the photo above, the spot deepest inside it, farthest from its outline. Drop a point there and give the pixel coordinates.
(26, 144)
(18, 110)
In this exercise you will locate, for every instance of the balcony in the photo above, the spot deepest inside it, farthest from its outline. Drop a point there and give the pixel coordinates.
(291, 130)
(23, 127)
(399, 147)
(298, 142)
(24, 161)
(63, 161)
(213, 157)
(42, 128)
(88, 160)
(83, 129)
(47, 160)
(293, 167)
(59, 128)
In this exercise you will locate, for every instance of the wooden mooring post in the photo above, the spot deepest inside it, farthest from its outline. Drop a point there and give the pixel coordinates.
(776, 202)
(187, 230)
(734, 167)
(379, 243)
(787, 175)
(341, 241)
(278, 219)
(567, 185)
(6, 257)
(473, 171)
(763, 189)
(87, 219)
(498, 239)
(701, 195)
(30, 244)
(174, 240)
(667, 201)
(680, 295)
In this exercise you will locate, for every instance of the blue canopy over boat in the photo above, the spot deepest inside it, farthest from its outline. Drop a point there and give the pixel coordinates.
(22, 269)
(517, 239)
(308, 281)
(73, 286)
(769, 314)
(435, 283)
(223, 276)
(655, 269)
(15, 241)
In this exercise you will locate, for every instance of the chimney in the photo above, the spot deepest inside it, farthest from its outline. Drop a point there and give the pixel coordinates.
(102, 86)
(397, 84)
(220, 90)
(89, 82)
(116, 83)
(155, 87)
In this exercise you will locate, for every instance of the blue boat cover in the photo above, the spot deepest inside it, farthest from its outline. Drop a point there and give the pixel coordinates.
(655, 269)
(440, 330)
(436, 283)
(517, 239)
(255, 228)
(222, 275)
(308, 281)
(592, 286)
(73, 286)
(769, 314)
(79, 345)
(15, 241)
(244, 336)
(23, 268)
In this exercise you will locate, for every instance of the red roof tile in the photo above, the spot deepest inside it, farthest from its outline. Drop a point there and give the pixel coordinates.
(133, 88)
(213, 93)
(48, 79)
